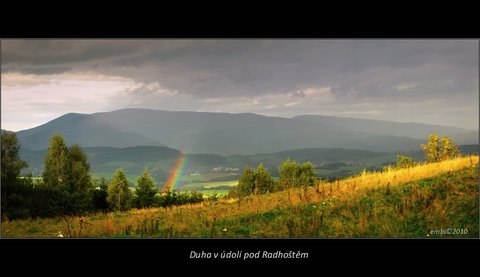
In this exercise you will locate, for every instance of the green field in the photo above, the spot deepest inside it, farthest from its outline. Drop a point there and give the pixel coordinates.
(218, 192)
(220, 184)
(208, 185)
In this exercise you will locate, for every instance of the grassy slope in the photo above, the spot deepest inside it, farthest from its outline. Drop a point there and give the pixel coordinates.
(398, 203)
(412, 209)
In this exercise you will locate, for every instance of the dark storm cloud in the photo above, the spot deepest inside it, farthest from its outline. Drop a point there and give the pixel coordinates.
(255, 67)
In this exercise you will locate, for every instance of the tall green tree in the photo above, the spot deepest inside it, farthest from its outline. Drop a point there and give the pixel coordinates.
(79, 180)
(145, 190)
(11, 162)
(437, 149)
(79, 176)
(67, 174)
(119, 195)
(15, 192)
(57, 165)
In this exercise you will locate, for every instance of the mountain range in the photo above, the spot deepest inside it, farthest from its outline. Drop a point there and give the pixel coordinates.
(133, 139)
(234, 134)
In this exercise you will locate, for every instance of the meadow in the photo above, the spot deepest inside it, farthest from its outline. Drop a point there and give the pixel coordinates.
(410, 202)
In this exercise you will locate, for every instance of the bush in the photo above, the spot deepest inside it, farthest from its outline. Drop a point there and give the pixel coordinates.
(404, 162)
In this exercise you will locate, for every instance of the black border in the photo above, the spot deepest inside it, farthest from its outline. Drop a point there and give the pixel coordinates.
(324, 254)
(344, 22)
(364, 255)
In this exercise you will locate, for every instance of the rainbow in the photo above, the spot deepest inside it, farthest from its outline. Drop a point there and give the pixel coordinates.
(176, 173)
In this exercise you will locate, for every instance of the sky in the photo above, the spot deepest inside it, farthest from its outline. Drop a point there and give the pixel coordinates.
(428, 81)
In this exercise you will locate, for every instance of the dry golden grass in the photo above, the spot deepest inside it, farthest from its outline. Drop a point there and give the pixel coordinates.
(200, 220)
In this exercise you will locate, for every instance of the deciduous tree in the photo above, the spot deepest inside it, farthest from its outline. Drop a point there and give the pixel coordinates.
(404, 162)
(57, 168)
(119, 195)
(440, 149)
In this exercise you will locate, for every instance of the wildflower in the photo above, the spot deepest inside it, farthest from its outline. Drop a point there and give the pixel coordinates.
(59, 234)
(224, 229)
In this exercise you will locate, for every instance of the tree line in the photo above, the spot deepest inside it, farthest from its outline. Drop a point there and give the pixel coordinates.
(260, 181)
(67, 187)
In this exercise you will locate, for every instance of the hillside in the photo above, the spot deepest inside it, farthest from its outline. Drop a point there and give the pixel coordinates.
(413, 202)
(231, 134)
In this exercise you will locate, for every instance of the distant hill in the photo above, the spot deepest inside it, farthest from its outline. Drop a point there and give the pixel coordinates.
(160, 160)
(412, 130)
(86, 130)
(230, 134)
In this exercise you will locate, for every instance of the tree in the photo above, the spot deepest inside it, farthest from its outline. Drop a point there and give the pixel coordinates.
(437, 150)
(404, 162)
(246, 183)
(79, 177)
(11, 162)
(449, 149)
(145, 190)
(288, 172)
(307, 175)
(119, 195)
(67, 174)
(79, 182)
(258, 181)
(263, 180)
(99, 195)
(57, 168)
(432, 148)
(294, 175)
(15, 192)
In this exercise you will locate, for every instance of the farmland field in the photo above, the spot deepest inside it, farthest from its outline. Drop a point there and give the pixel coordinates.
(208, 185)
(210, 188)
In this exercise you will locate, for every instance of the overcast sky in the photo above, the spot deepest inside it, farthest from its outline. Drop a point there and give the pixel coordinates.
(430, 81)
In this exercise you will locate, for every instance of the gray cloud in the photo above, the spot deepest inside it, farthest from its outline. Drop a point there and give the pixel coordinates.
(381, 73)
